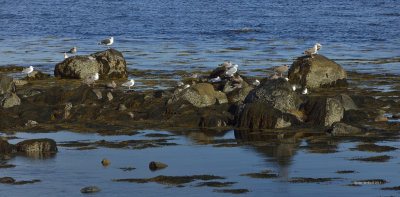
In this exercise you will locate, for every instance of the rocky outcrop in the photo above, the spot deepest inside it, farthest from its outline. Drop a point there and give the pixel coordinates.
(276, 92)
(109, 64)
(7, 84)
(323, 111)
(37, 75)
(44, 145)
(317, 72)
(9, 100)
(199, 95)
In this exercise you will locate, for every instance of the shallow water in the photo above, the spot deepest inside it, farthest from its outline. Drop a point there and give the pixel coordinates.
(65, 173)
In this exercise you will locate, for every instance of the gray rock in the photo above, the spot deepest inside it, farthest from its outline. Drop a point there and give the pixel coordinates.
(43, 145)
(221, 97)
(199, 95)
(277, 92)
(317, 72)
(239, 94)
(346, 102)
(121, 107)
(109, 64)
(342, 129)
(7, 84)
(109, 96)
(90, 189)
(9, 100)
(324, 111)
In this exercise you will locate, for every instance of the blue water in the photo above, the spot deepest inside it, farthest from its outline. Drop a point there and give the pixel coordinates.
(191, 35)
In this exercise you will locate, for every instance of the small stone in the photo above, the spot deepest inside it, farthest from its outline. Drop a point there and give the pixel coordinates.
(155, 165)
(131, 114)
(7, 180)
(381, 119)
(110, 96)
(105, 162)
(10, 100)
(31, 123)
(121, 107)
(90, 189)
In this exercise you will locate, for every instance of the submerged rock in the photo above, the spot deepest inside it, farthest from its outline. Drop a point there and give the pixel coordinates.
(90, 189)
(317, 72)
(109, 64)
(44, 145)
(155, 165)
(7, 180)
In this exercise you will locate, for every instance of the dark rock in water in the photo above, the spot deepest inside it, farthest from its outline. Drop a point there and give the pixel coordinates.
(263, 116)
(43, 145)
(7, 84)
(90, 189)
(347, 102)
(324, 111)
(155, 165)
(342, 129)
(277, 92)
(6, 148)
(109, 64)
(7, 180)
(37, 75)
(9, 100)
(317, 72)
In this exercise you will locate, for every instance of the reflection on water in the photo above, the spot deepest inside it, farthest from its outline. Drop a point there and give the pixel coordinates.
(197, 153)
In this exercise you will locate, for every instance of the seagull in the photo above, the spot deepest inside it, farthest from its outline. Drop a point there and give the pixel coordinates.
(294, 87)
(65, 55)
(305, 91)
(73, 50)
(312, 51)
(28, 70)
(107, 42)
(256, 82)
(319, 46)
(186, 86)
(232, 70)
(215, 80)
(274, 76)
(95, 76)
(227, 64)
(281, 69)
(91, 79)
(129, 83)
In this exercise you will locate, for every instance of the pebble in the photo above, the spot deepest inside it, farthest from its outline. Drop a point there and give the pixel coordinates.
(155, 165)
(105, 162)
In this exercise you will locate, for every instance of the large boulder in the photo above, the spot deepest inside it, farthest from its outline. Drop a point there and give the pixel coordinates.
(9, 100)
(199, 95)
(324, 111)
(317, 72)
(278, 93)
(43, 145)
(7, 84)
(109, 64)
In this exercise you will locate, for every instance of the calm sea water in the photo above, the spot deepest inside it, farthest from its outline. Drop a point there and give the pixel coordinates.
(191, 35)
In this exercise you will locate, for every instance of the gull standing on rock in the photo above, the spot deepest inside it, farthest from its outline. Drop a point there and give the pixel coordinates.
(305, 91)
(232, 70)
(312, 51)
(107, 42)
(256, 83)
(65, 55)
(281, 69)
(215, 80)
(319, 47)
(129, 83)
(227, 64)
(28, 70)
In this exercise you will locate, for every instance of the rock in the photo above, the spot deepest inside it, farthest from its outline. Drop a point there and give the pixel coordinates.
(37, 75)
(317, 72)
(109, 64)
(121, 107)
(347, 102)
(7, 84)
(19, 82)
(381, 118)
(98, 93)
(111, 85)
(277, 92)
(31, 123)
(324, 111)
(9, 100)
(199, 95)
(90, 189)
(263, 115)
(7, 180)
(221, 97)
(239, 94)
(155, 165)
(6, 148)
(105, 162)
(342, 129)
(43, 145)
(109, 96)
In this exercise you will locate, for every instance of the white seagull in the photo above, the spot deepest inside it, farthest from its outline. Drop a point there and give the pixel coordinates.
(129, 83)
(28, 70)
(256, 82)
(232, 70)
(107, 42)
(215, 80)
(95, 76)
(312, 51)
(305, 91)
(73, 50)
(294, 87)
(65, 55)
